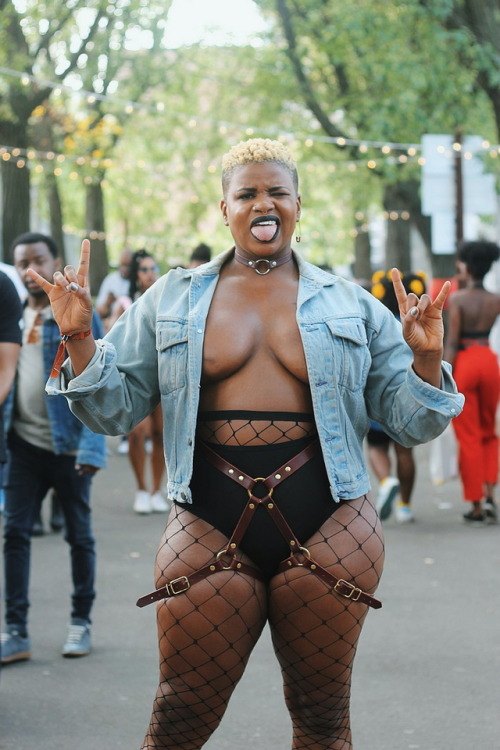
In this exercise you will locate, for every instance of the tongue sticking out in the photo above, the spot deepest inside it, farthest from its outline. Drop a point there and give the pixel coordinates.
(264, 232)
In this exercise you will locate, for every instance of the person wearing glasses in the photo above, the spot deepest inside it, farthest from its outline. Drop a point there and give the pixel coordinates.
(267, 369)
(144, 271)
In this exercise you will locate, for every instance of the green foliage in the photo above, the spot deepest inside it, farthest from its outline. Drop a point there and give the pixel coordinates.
(161, 119)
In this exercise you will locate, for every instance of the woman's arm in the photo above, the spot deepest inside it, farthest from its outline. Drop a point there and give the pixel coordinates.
(423, 329)
(71, 304)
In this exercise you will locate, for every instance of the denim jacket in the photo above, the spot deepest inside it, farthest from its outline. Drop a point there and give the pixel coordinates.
(358, 363)
(68, 433)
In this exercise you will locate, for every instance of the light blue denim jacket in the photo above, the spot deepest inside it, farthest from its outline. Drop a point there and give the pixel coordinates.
(358, 363)
(69, 435)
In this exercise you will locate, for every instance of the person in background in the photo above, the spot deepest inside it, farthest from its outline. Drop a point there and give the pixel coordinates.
(13, 275)
(201, 254)
(379, 442)
(144, 272)
(56, 517)
(114, 285)
(49, 448)
(472, 311)
(10, 344)
(267, 369)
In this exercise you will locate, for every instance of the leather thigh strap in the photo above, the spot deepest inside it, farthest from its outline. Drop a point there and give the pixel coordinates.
(226, 560)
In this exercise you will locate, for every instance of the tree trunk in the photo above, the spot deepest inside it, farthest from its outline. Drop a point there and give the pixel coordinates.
(397, 244)
(56, 217)
(95, 231)
(15, 189)
(362, 267)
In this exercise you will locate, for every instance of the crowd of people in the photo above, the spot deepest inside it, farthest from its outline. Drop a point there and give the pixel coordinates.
(260, 434)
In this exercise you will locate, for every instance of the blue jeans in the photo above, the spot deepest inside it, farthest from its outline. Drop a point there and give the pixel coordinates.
(30, 473)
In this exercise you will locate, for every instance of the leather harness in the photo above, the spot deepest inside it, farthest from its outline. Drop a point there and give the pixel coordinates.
(226, 559)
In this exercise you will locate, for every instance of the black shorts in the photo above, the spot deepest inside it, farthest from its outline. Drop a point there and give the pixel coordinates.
(378, 438)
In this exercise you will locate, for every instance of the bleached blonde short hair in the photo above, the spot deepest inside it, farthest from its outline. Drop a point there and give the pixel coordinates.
(257, 150)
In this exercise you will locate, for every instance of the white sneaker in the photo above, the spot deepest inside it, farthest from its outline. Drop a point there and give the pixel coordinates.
(142, 503)
(388, 490)
(123, 447)
(404, 513)
(158, 503)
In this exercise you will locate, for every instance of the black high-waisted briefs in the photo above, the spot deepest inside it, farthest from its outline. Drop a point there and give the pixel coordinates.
(304, 498)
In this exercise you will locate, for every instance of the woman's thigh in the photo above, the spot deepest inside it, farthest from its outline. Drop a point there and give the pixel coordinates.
(156, 420)
(207, 633)
(142, 430)
(315, 631)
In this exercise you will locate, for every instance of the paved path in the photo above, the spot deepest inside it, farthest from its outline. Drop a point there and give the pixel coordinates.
(427, 674)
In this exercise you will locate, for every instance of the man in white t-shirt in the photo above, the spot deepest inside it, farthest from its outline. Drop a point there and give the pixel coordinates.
(115, 285)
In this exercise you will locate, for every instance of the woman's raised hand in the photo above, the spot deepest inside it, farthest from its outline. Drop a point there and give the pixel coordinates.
(421, 318)
(69, 295)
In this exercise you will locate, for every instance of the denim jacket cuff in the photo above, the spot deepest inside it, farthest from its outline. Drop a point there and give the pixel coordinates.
(445, 400)
(90, 380)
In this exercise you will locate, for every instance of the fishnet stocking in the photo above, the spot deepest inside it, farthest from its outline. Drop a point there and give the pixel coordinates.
(206, 635)
(315, 633)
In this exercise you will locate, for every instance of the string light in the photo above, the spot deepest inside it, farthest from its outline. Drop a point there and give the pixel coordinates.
(107, 163)
(130, 106)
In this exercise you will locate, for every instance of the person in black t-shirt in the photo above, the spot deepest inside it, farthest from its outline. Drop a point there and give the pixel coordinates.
(10, 344)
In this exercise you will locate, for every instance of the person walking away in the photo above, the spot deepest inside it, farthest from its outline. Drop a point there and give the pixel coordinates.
(379, 442)
(49, 448)
(472, 311)
(144, 271)
(267, 369)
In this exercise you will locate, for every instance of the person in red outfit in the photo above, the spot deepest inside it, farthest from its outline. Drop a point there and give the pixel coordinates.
(472, 312)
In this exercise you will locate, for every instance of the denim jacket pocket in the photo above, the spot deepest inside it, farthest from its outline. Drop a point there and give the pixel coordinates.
(172, 348)
(351, 354)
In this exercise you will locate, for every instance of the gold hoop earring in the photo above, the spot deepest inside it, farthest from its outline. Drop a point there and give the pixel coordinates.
(297, 236)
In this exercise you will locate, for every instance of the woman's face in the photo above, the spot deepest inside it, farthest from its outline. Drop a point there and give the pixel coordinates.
(261, 207)
(147, 273)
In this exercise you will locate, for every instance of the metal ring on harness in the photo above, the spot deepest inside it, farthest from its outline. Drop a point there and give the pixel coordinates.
(260, 479)
(306, 554)
(218, 557)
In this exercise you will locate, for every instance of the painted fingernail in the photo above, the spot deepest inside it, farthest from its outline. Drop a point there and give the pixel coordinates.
(414, 311)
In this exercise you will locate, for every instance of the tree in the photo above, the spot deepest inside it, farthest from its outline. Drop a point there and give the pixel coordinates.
(90, 45)
(24, 48)
(378, 71)
(475, 29)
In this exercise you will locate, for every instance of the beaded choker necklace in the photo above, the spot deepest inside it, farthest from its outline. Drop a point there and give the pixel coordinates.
(262, 266)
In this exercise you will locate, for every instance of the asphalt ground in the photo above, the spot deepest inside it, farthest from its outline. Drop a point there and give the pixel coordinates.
(426, 677)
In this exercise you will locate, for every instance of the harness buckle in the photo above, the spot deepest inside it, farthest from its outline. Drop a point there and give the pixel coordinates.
(172, 588)
(353, 592)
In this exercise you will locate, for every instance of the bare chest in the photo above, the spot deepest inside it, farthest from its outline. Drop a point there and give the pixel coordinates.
(253, 327)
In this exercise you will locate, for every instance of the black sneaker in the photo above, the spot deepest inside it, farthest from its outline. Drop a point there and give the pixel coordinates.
(490, 511)
(471, 517)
